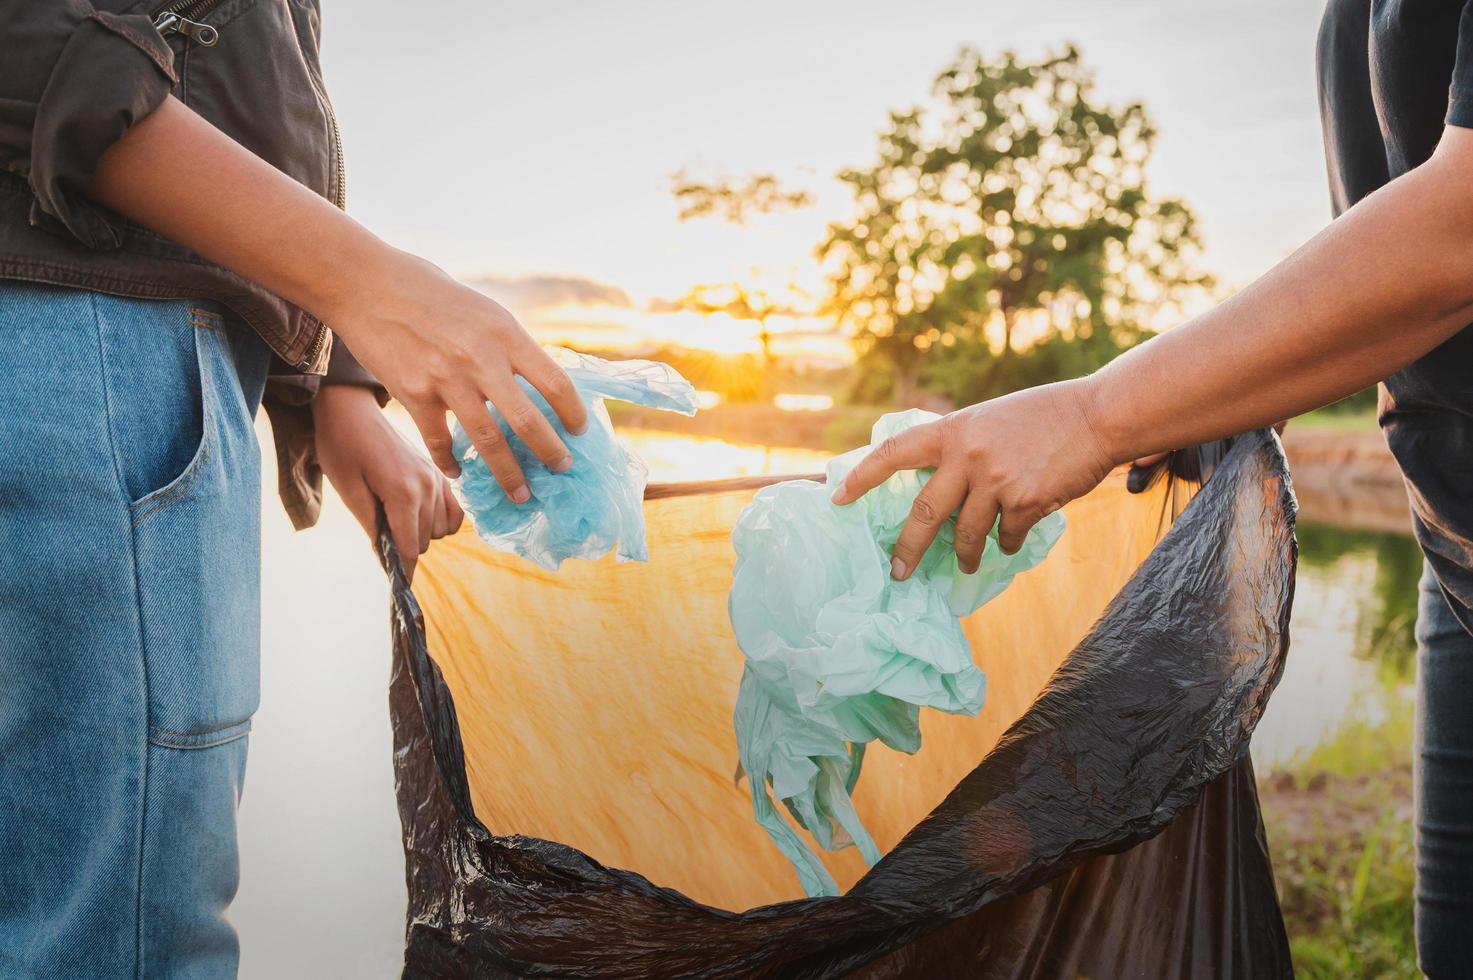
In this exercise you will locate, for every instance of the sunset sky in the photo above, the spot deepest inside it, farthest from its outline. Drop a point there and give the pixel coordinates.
(529, 146)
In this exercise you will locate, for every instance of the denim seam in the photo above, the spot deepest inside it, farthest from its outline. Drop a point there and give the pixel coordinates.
(142, 654)
(155, 501)
(201, 734)
(152, 503)
(206, 320)
(204, 740)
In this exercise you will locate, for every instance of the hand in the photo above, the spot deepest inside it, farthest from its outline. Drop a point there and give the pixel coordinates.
(436, 345)
(1024, 455)
(367, 460)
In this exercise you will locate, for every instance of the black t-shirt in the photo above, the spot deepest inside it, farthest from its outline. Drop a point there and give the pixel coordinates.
(1391, 73)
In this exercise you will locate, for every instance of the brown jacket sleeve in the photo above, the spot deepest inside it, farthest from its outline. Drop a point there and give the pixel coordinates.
(288, 402)
(343, 369)
(73, 80)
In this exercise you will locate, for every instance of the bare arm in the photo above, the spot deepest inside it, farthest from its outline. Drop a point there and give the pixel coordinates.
(434, 343)
(1381, 286)
(1369, 294)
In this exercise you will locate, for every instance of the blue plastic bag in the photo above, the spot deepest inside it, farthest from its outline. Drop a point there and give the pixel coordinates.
(598, 502)
(838, 654)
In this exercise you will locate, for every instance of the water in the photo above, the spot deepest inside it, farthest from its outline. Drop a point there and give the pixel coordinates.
(1351, 640)
(322, 892)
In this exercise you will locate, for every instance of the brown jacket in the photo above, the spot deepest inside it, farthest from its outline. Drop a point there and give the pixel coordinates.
(75, 74)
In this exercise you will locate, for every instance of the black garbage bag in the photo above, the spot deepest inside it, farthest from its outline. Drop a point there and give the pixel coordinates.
(1113, 832)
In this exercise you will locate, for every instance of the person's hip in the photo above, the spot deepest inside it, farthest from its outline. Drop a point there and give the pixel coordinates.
(129, 623)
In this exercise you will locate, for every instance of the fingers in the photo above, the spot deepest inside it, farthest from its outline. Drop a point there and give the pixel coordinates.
(420, 508)
(529, 423)
(424, 514)
(430, 420)
(553, 382)
(1015, 525)
(491, 443)
(912, 449)
(448, 515)
(403, 512)
(937, 501)
(973, 525)
(1152, 458)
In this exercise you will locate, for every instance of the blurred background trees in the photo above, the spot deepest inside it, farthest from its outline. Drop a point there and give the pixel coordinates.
(734, 199)
(1005, 236)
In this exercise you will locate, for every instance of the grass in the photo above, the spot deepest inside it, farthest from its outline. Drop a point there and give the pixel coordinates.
(1335, 419)
(1348, 909)
(1340, 831)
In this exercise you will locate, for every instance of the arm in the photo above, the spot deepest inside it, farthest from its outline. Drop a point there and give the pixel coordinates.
(1382, 285)
(435, 344)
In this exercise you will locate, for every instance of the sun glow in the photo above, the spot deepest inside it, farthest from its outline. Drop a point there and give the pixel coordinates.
(633, 329)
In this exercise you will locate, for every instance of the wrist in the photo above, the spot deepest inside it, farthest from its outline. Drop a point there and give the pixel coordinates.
(384, 287)
(1104, 420)
(344, 398)
(359, 279)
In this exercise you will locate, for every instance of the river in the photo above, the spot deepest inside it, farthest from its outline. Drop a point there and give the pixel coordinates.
(322, 892)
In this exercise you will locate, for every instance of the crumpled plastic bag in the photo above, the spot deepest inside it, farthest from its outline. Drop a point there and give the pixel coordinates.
(598, 502)
(839, 654)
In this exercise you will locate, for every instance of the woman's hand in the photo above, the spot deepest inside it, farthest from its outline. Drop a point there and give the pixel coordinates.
(1023, 456)
(367, 460)
(439, 345)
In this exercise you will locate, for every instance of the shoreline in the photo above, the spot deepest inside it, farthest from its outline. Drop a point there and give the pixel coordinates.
(1344, 477)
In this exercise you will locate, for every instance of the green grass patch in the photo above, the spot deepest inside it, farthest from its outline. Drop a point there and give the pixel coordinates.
(1340, 831)
(1347, 900)
(1335, 419)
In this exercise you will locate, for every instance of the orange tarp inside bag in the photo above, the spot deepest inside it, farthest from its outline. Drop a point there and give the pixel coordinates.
(565, 760)
(595, 702)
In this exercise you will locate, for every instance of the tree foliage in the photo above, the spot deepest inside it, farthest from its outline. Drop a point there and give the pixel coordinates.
(734, 199)
(1008, 219)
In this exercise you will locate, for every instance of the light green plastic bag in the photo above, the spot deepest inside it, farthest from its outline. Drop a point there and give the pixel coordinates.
(838, 653)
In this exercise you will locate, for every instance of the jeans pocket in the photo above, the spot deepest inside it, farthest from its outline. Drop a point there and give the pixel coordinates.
(155, 356)
(196, 531)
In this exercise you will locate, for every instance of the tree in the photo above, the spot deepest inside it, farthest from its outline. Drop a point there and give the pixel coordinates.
(746, 301)
(1010, 210)
(733, 199)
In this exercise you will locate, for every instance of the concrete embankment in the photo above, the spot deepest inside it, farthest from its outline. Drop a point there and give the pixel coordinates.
(1348, 479)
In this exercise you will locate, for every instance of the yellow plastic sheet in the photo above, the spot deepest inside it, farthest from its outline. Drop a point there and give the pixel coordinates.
(595, 703)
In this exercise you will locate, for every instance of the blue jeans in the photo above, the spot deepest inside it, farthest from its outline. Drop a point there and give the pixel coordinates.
(1444, 788)
(129, 630)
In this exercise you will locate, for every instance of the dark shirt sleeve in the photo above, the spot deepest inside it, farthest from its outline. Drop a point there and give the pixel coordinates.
(1355, 153)
(74, 79)
(1460, 98)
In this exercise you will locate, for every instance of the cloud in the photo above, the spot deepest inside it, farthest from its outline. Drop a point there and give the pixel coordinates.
(525, 294)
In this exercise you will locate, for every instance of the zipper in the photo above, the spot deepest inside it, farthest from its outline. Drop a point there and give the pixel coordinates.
(340, 194)
(319, 341)
(339, 198)
(182, 17)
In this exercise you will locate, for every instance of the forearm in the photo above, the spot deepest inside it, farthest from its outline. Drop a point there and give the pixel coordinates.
(1378, 288)
(435, 344)
(180, 176)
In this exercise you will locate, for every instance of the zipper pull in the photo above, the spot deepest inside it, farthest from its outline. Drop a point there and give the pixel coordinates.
(202, 34)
